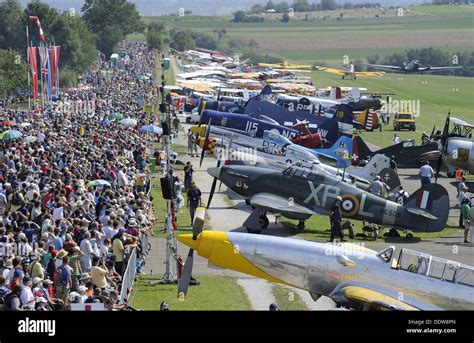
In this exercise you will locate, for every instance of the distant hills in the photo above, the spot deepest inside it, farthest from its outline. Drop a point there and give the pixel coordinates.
(202, 7)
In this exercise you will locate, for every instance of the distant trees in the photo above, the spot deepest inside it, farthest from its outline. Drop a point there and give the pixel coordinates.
(282, 7)
(154, 35)
(256, 9)
(181, 40)
(111, 21)
(242, 17)
(203, 40)
(327, 5)
(220, 34)
(12, 25)
(13, 72)
(71, 33)
(324, 5)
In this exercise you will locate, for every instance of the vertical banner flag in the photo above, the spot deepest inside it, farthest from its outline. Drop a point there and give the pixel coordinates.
(49, 75)
(33, 66)
(43, 53)
(40, 28)
(54, 60)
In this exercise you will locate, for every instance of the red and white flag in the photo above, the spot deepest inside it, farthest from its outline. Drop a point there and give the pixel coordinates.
(54, 60)
(33, 66)
(40, 28)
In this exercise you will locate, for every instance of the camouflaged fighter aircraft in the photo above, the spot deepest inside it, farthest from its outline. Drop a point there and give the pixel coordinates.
(352, 276)
(299, 193)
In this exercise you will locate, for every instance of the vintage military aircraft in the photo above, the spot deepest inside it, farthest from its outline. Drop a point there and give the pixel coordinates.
(349, 72)
(406, 153)
(298, 193)
(413, 67)
(341, 115)
(315, 104)
(457, 147)
(275, 151)
(354, 277)
(254, 127)
(366, 120)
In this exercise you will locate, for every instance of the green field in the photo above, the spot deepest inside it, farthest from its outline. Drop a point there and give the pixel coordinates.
(287, 299)
(436, 98)
(215, 293)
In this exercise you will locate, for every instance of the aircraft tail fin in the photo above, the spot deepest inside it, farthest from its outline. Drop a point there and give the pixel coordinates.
(429, 207)
(335, 93)
(391, 178)
(376, 164)
(267, 90)
(359, 148)
(354, 93)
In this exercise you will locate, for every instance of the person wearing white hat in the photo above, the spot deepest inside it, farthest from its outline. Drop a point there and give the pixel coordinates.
(36, 269)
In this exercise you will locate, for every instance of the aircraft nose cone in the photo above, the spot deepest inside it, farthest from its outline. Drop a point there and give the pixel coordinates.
(214, 172)
(188, 240)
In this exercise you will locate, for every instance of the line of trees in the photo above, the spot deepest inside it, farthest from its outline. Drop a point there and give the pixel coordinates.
(103, 25)
(305, 6)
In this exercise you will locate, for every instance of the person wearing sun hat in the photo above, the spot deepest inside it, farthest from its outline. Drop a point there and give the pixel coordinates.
(35, 268)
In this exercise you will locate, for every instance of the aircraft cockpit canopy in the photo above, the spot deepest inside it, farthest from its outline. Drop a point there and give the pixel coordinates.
(435, 267)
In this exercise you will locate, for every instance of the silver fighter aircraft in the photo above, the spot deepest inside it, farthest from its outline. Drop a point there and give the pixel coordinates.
(352, 276)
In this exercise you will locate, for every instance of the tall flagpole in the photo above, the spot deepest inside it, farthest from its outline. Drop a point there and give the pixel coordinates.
(28, 68)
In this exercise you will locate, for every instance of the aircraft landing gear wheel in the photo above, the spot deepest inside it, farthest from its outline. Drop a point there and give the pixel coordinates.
(188, 120)
(264, 222)
(247, 202)
(300, 225)
(254, 231)
(409, 236)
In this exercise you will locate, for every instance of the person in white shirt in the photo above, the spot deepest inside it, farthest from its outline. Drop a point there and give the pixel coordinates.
(122, 178)
(58, 212)
(396, 139)
(27, 297)
(426, 173)
(86, 248)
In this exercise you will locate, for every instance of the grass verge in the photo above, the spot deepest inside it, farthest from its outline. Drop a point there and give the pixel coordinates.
(214, 293)
(287, 299)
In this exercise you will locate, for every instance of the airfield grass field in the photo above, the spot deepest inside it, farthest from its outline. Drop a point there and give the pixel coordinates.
(214, 293)
(287, 299)
(436, 96)
(357, 35)
(317, 228)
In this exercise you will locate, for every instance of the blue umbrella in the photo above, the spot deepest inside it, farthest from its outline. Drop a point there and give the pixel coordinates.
(151, 129)
(99, 182)
(105, 122)
(10, 134)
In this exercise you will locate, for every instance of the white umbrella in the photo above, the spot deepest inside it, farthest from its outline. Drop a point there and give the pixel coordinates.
(30, 139)
(128, 122)
(25, 124)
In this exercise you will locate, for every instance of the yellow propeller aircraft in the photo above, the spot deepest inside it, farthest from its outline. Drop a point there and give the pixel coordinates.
(348, 72)
(351, 275)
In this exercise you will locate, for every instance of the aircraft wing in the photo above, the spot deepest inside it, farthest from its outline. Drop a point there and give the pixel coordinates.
(359, 296)
(356, 295)
(445, 68)
(346, 72)
(278, 203)
(384, 66)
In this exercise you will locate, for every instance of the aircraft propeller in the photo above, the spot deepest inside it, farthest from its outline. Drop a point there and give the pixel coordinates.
(214, 181)
(183, 282)
(444, 146)
(201, 108)
(206, 141)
